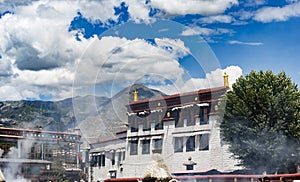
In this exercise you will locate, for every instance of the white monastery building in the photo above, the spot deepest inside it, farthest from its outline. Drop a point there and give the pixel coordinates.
(182, 129)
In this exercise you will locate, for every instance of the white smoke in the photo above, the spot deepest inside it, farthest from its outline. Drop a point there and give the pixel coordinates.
(12, 170)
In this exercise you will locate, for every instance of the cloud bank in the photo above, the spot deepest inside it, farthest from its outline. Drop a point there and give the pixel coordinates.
(41, 55)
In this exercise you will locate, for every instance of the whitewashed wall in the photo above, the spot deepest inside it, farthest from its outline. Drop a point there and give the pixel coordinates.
(216, 157)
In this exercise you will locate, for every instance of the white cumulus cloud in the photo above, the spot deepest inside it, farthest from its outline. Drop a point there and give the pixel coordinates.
(195, 30)
(217, 19)
(122, 61)
(204, 7)
(8, 92)
(40, 56)
(211, 80)
(269, 14)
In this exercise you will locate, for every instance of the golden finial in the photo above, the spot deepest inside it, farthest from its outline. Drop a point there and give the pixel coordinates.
(135, 96)
(168, 114)
(226, 82)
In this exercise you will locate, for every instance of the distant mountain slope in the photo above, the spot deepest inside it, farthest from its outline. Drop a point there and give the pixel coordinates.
(97, 117)
(112, 116)
(53, 116)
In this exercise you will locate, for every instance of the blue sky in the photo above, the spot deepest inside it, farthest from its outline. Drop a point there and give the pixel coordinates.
(51, 50)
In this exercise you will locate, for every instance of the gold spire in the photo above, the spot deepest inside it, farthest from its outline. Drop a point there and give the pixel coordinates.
(226, 82)
(135, 96)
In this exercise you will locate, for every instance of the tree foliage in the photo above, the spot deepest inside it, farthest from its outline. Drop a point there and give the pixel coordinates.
(261, 122)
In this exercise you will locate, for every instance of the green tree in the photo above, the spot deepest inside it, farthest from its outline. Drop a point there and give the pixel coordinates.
(261, 122)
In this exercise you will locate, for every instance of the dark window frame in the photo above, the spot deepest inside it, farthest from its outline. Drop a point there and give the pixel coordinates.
(178, 144)
(158, 144)
(113, 158)
(146, 123)
(203, 142)
(134, 123)
(204, 115)
(191, 121)
(133, 147)
(178, 118)
(190, 144)
(159, 122)
(102, 160)
(146, 146)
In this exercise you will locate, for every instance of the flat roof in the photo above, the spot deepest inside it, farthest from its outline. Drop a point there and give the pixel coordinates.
(198, 92)
(38, 131)
(28, 161)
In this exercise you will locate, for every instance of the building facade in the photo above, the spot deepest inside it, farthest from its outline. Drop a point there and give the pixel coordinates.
(39, 155)
(107, 158)
(181, 129)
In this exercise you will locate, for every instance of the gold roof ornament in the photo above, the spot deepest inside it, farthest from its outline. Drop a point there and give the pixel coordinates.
(226, 82)
(135, 96)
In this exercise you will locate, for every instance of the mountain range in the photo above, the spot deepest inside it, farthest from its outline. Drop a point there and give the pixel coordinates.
(98, 118)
